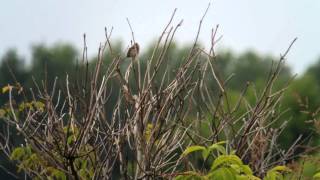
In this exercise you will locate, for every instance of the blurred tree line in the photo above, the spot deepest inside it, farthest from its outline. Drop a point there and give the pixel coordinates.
(300, 103)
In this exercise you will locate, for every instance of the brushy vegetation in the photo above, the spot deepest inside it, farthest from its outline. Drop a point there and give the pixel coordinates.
(159, 119)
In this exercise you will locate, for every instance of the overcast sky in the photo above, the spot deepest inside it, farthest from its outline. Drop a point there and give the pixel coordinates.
(266, 26)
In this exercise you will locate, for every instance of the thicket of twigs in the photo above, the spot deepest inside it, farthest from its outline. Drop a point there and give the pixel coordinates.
(67, 130)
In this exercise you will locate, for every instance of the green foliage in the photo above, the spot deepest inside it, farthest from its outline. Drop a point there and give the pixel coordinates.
(28, 160)
(6, 89)
(276, 173)
(205, 151)
(33, 105)
(227, 166)
(86, 171)
(2, 113)
(302, 99)
(148, 131)
(317, 176)
(55, 174)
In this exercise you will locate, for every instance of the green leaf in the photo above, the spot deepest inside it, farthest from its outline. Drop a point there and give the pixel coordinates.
(276, 173)
(247, 177)
(236, 168)
(84, 164)
(39, 105)
(193, 149)
(226, 159)
(18, 154)
(317, 175)
(56, 173)
(6, 88)
(218, 147)
(2, 113)
(70, 139)
(273, 175)
(83, 174)
(222, 174)
(242, 177)
(246, 170)
(233, 152)
(205, 154)
(59, 175)
(281, 169)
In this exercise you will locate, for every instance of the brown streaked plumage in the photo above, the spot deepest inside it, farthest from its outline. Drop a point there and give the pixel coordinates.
(133, 50)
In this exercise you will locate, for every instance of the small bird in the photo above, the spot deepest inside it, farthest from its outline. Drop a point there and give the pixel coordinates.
(133, 51)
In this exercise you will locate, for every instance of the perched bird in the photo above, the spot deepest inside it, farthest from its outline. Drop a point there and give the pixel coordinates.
(133, 51)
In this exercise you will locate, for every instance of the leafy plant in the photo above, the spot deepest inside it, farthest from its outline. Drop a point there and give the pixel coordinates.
(227, 166)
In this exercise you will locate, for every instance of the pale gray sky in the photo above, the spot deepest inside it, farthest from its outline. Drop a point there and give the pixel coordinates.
(267, 26)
